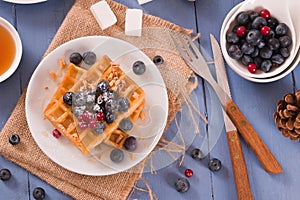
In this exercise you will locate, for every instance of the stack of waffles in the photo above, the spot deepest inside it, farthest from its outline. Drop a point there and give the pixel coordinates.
(77, 79)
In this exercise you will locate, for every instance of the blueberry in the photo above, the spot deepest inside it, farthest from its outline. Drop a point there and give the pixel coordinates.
(246, 59)
(125, 125)
(258, 22)
(281, 29)
(255, 53)
(235, 52)
(124, 104)
(257, 61)
(273, 43)
(285, 52)
(272, 22)
(67, 98)
(102, 86)
(110, 117)
(90, 97)
(139, 67)
(111, 105)
(109, 94)
(232, 37)
(261, 44)
(214, 164)
(100, 127)
(277, 59)
(243, 18)
(75, 58)
(158, 60)
(266, 52)
(14, 139)
(253, 37)
(247, 48)
(78, 110)
(89, 57)
(253, 15)
(266, 65)
(197, 154)
(182, 185)
(285, 41)
(116, 155)
(78, 99)
(38, 193)
(130, 143)
(5, 174)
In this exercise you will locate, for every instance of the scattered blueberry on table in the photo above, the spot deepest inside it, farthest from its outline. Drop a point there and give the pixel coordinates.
(214, 164)
(182, 185)
(259, 41)
(196, 154)
(38, 193)
(5, 174)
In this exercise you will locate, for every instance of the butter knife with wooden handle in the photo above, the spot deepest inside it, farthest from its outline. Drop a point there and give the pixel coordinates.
(235, 148)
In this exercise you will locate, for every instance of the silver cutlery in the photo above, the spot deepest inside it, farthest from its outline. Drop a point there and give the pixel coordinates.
(235, 148)
(192, 56)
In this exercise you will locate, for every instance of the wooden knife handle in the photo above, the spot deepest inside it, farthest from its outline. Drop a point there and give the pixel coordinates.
(239, 166)
(264, 155)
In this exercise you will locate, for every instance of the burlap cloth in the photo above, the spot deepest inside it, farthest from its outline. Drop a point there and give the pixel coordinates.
(78, 22)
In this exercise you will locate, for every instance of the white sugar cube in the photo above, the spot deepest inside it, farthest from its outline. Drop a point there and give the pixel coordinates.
(103, 14)
(133, 22)
(143, 1)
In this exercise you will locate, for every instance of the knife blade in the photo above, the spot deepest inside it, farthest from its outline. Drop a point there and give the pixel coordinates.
(235, 148)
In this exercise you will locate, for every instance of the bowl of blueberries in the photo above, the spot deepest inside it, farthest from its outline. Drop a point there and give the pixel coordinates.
(259, 44)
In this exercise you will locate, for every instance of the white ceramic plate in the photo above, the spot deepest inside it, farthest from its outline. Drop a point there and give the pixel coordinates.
(147, 132)
(25, 1)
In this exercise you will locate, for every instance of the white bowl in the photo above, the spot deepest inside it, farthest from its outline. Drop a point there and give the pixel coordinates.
(236, 66)
(18, 47)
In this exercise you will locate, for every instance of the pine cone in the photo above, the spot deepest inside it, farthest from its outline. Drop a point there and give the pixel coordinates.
(287, 115)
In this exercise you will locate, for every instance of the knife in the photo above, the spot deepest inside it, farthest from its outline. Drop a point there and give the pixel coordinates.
(262, 152)
(235, 148)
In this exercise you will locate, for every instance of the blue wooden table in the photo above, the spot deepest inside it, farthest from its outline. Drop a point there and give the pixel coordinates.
(37, 25)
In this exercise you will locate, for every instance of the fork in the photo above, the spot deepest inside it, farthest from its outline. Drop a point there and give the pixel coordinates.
(192, 56)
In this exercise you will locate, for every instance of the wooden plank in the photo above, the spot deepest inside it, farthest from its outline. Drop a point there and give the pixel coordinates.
(162, 183)
(257, 102)
(37, 31)
(17, 186)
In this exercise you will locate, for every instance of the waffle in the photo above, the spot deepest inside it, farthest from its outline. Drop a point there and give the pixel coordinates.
(77, 79)
(136, 96)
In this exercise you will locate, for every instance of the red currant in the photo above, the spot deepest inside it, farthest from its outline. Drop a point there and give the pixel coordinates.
(188, 173)
(252, 68)
(92, 124)
(56, 133)
(265, 13)
(100, 116)
(241, 31)
(265, 30)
